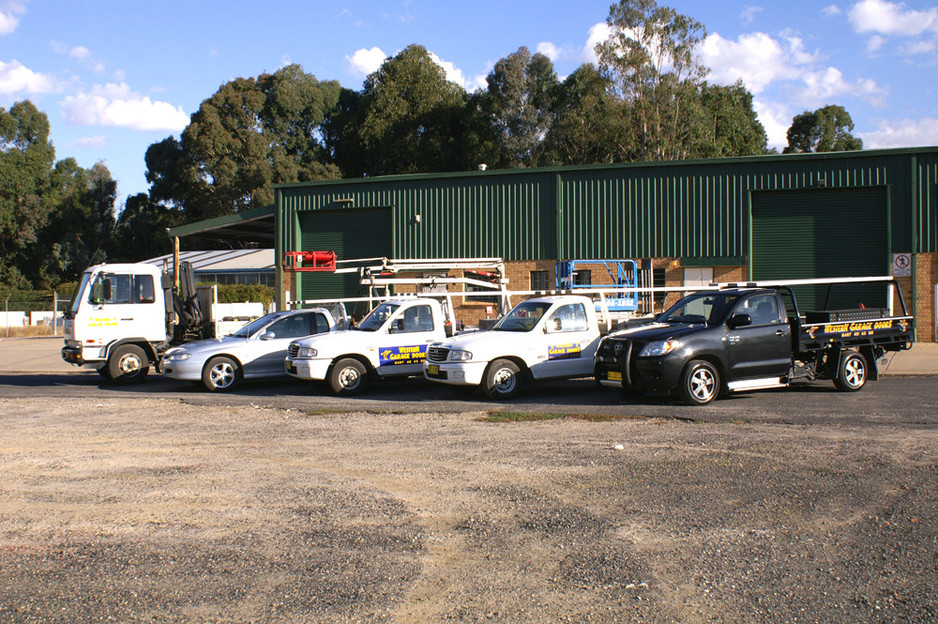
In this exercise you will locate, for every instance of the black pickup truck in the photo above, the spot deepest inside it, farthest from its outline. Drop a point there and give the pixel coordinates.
(752, 336)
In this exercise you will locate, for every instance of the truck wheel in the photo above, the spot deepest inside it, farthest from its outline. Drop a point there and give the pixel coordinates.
(104, 371)
(502, 380)
(851, 376)
(128, 364)
(221, 374)
(347, 377)
(700, 383)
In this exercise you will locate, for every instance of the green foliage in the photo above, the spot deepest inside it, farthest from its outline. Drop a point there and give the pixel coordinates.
(726, 124)
(825, 130)
(55, 217)
(651, 67)
(408, 119)
(251, 134)
(519, 105)
(239, 293)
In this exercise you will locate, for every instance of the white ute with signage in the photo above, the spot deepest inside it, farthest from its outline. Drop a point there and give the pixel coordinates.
(542, 338)
(391, 341)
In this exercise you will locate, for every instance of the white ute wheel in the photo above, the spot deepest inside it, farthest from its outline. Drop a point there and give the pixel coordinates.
(502, 380)
(347, 377)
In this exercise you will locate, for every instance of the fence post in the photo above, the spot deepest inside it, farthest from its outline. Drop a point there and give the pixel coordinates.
(6, 310)
(55, 313)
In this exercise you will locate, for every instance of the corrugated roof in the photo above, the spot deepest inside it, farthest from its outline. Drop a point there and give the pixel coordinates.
(223, 260)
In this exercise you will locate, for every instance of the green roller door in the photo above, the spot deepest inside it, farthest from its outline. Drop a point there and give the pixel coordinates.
(822, 233)
(350, 233)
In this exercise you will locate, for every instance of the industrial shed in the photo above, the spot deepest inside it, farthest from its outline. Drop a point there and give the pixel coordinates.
(687, 222)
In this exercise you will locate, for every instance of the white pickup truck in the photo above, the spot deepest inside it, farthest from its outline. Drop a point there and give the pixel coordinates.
(391, 341)
(542, 338)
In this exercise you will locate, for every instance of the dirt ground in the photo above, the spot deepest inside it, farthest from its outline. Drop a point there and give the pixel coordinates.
(150, 510)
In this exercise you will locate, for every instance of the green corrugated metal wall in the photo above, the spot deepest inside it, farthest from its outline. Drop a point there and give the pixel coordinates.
(822, 233)
(692, 209)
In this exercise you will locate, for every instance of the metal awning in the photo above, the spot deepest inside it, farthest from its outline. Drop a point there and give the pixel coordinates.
(254, 226)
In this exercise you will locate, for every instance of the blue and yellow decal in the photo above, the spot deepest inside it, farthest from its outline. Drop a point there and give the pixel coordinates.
(565, 351)
(398, 356)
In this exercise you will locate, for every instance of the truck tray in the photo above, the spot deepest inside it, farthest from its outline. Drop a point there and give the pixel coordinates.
(845, 316)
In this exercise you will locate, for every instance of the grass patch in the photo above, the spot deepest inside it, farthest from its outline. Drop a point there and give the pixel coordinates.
(498, 417)
(27, 332)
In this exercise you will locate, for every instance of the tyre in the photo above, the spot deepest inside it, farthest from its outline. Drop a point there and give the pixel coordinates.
(700, 383)
(104, 372)
(502, 380)
(221, 374)
(128, 364)
(852, 372)
(347, 377)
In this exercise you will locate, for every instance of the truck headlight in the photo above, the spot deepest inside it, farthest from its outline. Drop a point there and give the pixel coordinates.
(659, 348)
(307, 352)
(460, 356)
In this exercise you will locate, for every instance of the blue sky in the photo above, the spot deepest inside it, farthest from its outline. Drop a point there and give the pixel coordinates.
(115, 76)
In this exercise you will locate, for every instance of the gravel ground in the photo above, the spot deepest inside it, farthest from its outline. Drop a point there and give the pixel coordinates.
(151, 510)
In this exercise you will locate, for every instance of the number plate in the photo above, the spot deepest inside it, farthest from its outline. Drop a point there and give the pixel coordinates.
(614, 376)
(433, 369)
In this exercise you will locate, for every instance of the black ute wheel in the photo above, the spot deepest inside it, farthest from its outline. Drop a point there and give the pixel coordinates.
(128, 364)
(502, 380)
(852, 373)
(221, 374)
(347, 377)
(700, 383)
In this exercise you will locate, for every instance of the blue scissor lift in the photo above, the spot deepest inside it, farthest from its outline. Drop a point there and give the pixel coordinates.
(622, 300)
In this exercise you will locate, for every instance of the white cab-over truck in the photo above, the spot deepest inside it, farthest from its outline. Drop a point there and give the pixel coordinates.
(123, 317)
(391, 341)
(542, 338)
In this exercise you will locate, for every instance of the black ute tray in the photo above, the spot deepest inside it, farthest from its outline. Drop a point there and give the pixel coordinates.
(845, 316)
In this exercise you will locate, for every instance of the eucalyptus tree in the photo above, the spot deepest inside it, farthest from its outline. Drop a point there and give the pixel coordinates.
(249, 135)
(827, 129)
(408, 118)
(649, 61)
(519, 102)
(726, 123)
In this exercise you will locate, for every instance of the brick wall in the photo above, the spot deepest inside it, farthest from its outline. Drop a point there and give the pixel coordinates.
(926, 276)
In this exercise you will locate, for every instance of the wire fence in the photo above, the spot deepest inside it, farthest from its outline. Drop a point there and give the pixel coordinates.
(32, 312)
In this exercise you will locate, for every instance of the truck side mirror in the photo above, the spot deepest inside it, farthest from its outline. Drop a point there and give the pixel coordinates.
(106, 289)
(397, 326)
(739, 320)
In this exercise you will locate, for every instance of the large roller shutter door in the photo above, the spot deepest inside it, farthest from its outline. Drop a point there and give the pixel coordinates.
(350, 233)
(821, 233)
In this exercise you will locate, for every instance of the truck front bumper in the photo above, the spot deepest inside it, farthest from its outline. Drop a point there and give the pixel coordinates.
(662, 374)
(316, 370)
(456, 373)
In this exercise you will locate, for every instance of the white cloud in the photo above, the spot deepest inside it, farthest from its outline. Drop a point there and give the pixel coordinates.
(824, 85)
(831, 10)
(17, 78)
(116, 106)
(89, 142)
(749, 14)
(363, 62)
(890, 18)
(597, 34)
(903, 133)
(776, 119)
(756, 58)
(875, 43)
(8, 15)
(763, 62)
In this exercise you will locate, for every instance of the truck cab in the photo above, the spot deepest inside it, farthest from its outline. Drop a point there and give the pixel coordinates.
(115, 316)
(706, 343)
(391, 341)
(541, 338)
